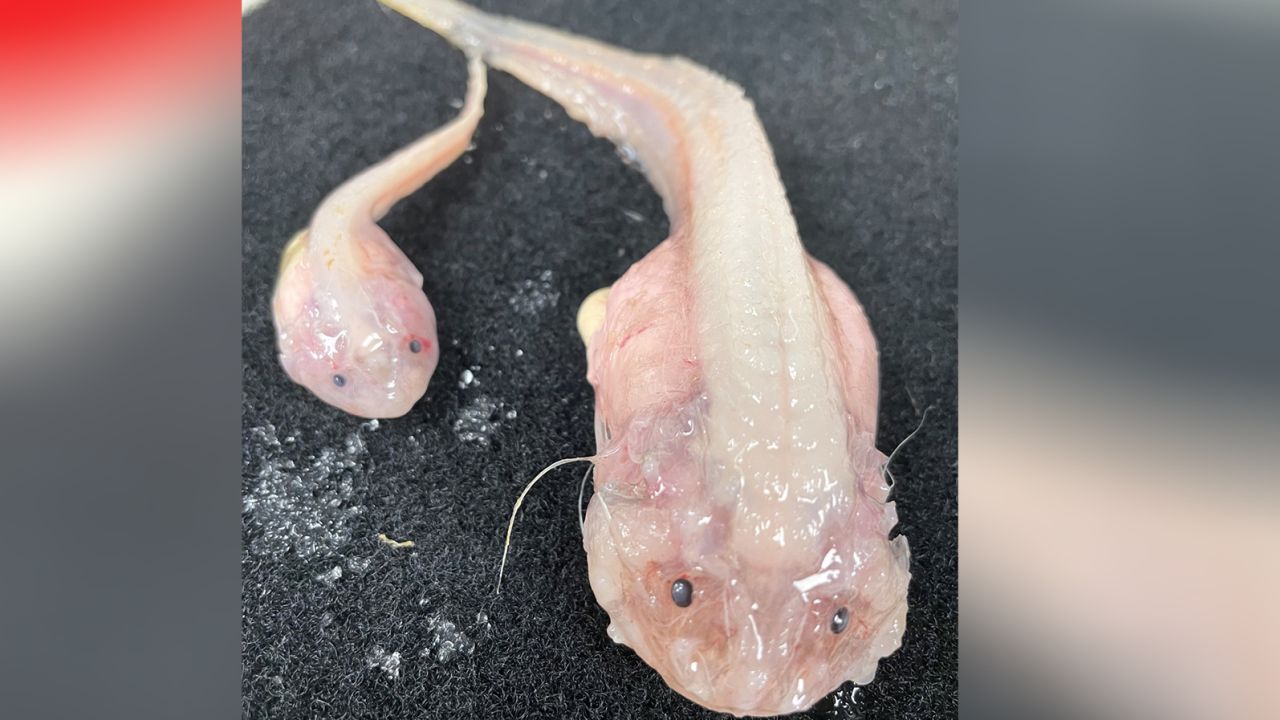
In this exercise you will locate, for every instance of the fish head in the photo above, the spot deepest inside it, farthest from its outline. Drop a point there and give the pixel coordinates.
(360, 337)
(731, 627)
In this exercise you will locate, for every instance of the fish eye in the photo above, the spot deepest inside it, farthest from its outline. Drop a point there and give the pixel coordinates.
(415, 346)
(339, 380)
(682, 593)
(840, 620)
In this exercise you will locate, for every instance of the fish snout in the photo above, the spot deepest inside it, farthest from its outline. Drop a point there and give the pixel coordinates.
(746, 657)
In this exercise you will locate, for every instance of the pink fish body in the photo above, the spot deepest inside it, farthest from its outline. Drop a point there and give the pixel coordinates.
(739, 533)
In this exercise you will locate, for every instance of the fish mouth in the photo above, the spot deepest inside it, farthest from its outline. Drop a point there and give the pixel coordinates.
(714, 670)
(779, 699)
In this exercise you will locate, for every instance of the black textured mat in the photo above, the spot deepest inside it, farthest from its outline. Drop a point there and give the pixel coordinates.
(860, 103)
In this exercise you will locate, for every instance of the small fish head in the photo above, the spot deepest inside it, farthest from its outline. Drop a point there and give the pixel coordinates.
(362, 342)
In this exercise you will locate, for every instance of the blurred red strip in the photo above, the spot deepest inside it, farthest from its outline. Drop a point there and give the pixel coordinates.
(78, 66)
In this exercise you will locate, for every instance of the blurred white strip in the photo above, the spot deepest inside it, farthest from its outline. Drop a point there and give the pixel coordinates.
(248, 6)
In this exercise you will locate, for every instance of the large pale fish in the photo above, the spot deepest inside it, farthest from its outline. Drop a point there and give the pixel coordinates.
(738, 535)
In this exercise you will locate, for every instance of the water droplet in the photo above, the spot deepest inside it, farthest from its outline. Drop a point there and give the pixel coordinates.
(388, 663)
(477, 422)
(303, 508)
(627, 154)
(533, 296)
(358, 566)
(447, 642)
(331, 576)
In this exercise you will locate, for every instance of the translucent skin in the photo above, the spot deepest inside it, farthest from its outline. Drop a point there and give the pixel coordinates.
(757, 638)
(352, 323)
(736, 389)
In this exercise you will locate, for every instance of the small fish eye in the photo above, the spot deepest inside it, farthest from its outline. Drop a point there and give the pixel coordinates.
(840, 620)
(339, 380)
(682, 593)
(415, 346)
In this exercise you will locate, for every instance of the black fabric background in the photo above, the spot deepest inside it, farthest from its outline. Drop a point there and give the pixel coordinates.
(860, 104)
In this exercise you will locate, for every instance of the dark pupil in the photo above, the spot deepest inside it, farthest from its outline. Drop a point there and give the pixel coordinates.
(339, 380)
(415, 346)
(840, 620)
(682, 593)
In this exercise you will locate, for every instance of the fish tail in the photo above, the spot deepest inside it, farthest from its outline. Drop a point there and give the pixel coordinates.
(640, 102)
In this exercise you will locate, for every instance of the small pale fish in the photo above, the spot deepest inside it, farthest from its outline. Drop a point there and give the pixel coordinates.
(352, 323)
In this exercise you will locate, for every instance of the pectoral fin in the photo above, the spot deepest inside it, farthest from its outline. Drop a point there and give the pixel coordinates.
(591, 314)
